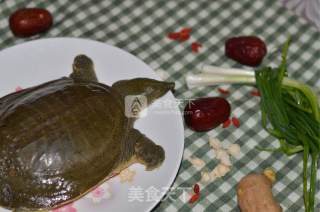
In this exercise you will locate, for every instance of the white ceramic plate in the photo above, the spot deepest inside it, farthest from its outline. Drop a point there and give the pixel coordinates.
(38, 61)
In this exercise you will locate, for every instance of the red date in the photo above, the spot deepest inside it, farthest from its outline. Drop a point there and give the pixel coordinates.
(27, 22)
(247, 50)
(206, 113)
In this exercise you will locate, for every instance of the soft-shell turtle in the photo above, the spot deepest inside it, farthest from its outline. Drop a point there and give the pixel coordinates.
(62, 138)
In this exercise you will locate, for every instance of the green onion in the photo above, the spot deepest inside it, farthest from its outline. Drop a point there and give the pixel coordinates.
(291, 108)
(290, 112)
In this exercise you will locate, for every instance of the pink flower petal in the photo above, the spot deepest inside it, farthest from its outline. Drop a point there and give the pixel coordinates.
(98, 192)
(18, 89)
(67, 208)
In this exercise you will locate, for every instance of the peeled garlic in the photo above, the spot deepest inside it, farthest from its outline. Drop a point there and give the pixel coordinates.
(219, 171)
(225, 160)
(234, 150)
(214, 174)
(197, 162)
(205, 177)
(220, 153)
(222, 170)
(224, 157)
(215, 143)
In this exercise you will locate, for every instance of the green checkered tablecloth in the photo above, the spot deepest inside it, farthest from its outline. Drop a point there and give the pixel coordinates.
(140, 27)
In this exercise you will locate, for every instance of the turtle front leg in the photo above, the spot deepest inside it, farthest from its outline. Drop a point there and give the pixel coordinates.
(147, 152)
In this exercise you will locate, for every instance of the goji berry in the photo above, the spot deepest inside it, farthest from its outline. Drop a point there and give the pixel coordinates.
(18, 89)
(186, 30)
(184, 36)
(196, 188)
(226, 123)
(194, 198)
(235, 122)
(223, 91)
(195, 46)
(255, 93)
(174, 35)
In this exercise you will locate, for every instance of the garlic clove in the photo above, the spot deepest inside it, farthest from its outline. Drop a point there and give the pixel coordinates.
(225, 159)
(223, 156)
(214, 174)
(205, 177)
(220, 153)
(197, 162)
(234, 150)
(215, 143)
(223, 169)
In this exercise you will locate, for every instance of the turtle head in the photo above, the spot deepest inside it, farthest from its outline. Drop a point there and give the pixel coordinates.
(83, 69)
(150, 88)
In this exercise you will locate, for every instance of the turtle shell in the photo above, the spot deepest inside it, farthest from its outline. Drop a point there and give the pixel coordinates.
(67, 146)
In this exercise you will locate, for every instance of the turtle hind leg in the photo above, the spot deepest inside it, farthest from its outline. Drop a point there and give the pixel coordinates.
(146, 151)
(83, 69)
